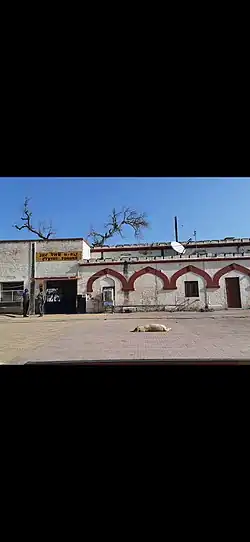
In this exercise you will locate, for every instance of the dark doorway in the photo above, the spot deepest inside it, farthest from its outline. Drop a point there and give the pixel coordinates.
(61, 297)
(233, 293)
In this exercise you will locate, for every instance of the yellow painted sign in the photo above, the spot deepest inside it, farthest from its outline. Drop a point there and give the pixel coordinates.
(58, 256)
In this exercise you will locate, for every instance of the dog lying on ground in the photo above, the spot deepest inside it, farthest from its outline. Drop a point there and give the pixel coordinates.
(151, 327)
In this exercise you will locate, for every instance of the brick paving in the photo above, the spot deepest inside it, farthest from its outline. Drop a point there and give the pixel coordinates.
(95, 337)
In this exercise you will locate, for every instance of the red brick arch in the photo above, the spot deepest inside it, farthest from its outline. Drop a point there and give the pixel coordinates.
(151, 271)
(110, 272)
(227, 269)
(191, 269)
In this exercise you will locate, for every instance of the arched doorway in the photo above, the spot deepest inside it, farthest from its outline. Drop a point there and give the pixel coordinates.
(107, 285)
(234, 284)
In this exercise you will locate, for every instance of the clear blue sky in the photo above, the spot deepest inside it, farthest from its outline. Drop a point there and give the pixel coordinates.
(216, 208)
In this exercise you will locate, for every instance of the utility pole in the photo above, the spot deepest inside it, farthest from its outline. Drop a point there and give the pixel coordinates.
(176, 228)
(195, 241)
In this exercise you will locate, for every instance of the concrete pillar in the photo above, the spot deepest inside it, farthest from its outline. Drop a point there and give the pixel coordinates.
(32, 278)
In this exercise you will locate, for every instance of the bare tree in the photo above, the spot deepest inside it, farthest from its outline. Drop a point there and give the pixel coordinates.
(43, 231)
(116, 223)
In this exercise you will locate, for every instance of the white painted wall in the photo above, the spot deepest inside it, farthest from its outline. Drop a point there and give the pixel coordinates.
(85, 272)
(57, 245)
(15, 262)
(85, 251)
(224, 249)
(218, 298)
(169, 252)
(59, 269)
(15, 259)
(116, 254)
(95, 255)
(149, 289)
(190, 302)
(94, 300)
(56, 269)
(15, 266)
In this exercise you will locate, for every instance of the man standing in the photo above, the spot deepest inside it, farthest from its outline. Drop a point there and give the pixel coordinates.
(26, 302)
(40, 301)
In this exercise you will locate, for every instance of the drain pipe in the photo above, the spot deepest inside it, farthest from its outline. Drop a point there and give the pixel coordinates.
(32, 279)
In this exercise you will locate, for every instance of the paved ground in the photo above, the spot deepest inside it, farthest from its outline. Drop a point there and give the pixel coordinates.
(218, 335)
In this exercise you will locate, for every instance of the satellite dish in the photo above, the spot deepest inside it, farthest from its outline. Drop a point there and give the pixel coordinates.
(178, 247)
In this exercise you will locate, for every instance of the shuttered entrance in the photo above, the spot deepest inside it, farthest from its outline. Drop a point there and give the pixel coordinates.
(61, 297)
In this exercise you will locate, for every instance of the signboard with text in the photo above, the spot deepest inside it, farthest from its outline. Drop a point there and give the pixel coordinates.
(58, 256)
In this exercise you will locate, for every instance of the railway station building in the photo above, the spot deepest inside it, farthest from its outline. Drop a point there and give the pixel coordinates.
(212, 274)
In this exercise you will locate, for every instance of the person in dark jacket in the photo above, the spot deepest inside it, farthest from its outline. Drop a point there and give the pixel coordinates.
(40, 302)
(26, 302)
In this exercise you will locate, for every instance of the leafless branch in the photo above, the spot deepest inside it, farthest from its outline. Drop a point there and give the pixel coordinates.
(115, 224)
(43, 231)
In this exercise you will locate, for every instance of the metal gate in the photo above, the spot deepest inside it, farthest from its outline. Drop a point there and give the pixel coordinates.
(60, 297)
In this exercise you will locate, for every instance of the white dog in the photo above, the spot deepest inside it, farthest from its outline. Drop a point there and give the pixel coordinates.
(151, 327)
